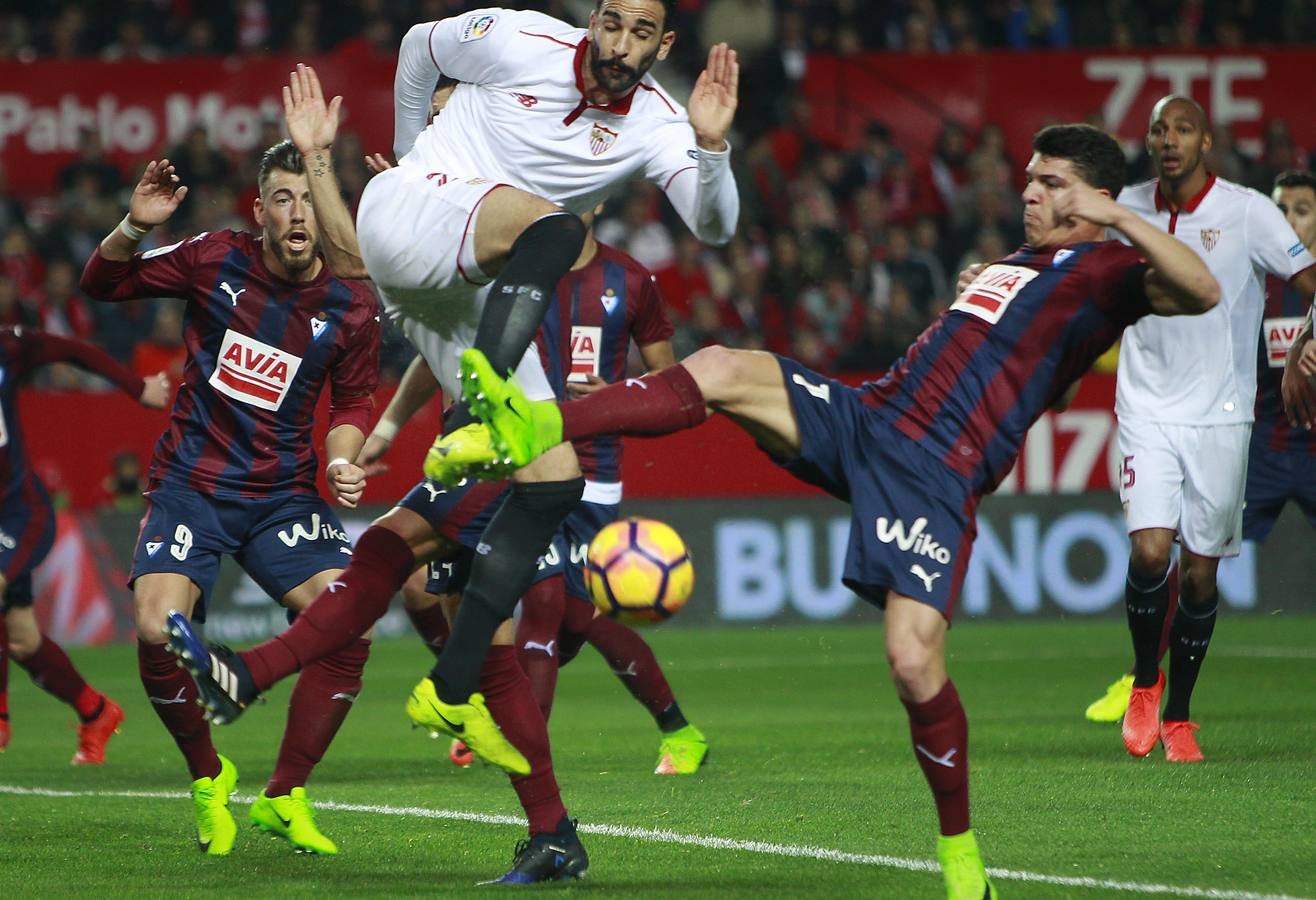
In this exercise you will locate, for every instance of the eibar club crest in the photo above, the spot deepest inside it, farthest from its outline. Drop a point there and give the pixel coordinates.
(601, 138)
(1210, 237)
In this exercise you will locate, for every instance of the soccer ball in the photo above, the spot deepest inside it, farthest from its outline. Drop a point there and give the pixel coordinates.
(639, 571)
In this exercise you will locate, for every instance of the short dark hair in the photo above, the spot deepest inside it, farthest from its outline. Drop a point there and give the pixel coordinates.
(283, 155)
(1096, 156)
(1291, 178)
(669, 6)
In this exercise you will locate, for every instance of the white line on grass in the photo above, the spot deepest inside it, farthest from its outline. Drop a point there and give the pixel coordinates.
(662, 836)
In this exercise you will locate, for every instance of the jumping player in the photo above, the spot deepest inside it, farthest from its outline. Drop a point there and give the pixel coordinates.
(1184, 397)
(27, 531)
(547, 121)
(267, 325)
(914, 451)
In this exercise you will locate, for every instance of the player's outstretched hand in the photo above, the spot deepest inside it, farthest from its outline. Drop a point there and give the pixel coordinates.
(1298, 388)
(156, 196)
(312, 124)
(347, 482)
(372, 452)
(713, 101)
(155, 392)
(967, 274)
(378, 162)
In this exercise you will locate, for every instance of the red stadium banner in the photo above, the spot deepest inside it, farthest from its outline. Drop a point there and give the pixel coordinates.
(140, 109)
(1021, 92)
(73, 437)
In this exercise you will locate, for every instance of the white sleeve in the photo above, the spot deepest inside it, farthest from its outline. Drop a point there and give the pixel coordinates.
(698, 183)
(1272, 244)
(466, 47)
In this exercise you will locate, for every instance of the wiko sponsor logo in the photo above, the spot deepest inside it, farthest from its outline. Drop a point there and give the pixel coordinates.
(318, 530)
(912, 539)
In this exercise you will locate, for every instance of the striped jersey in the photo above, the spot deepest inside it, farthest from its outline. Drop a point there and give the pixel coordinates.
(1028, 327)
(1286, 309)
(23, 350)
(259, 351)
(596, 312)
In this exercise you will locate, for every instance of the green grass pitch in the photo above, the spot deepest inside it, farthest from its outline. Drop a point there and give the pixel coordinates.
(810, 752)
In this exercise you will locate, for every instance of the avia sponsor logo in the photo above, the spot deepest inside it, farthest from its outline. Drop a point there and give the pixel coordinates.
(1280, 334)
(476, 26)
(989, 295)
(253, 372)
(318, 530)
(585, 343)
(601, 138)
(912, 539)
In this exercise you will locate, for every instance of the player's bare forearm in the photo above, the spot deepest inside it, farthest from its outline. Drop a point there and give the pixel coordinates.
(346, 479)
(337, 232)
(1179, 283)
(417, 386)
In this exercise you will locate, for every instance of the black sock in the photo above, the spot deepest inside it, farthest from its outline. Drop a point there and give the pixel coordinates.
(516, 537)
(520, 295)
(1190, 635)
(670, 719)
(1145, 602)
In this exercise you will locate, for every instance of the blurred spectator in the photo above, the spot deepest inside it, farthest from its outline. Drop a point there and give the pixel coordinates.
(13, 311)
(948, 164)
(793, 141)
(131, 44)
(1226, 160)
(869, 163)
(637, 232)
(921, 276)
(1278, 154)
(1037, 24)
(197, 161)
(62, 308)
(685, 278)
(834, 312)
(749, 26)
(162, 350)
(253, 25)
(91, 165)
(19, 260)
(123, 486)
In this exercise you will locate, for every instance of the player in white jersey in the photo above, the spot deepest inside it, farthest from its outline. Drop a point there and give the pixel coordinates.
(1184, 398)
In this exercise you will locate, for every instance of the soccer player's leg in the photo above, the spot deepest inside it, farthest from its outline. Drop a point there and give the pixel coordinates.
(420, 601)
(4, 685)
(552, 852)
(50, 669)
(1151, 490)
(327, 688)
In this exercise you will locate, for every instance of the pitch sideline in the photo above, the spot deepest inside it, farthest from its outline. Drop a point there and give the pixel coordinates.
(797, 851)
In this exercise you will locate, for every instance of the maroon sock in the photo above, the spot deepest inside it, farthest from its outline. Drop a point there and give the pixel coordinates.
(1170, 607)
(633, 662)
(320, 701)
(4, 668)
(660, 403)
(431, 624)
(537, 645)
(941, 745)
(359, 597)
(507, 692)
(53, 671)
(173, 697)
(576, 619)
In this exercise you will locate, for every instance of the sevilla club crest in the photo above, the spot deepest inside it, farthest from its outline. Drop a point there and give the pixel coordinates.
(1210, 237)
(600, 139)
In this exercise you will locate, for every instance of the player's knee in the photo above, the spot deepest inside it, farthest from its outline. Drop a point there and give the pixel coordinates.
(1148, 560)
(1197, 586)
(151, 610)
(22, 646)
(717, 370)
(913, 665)
(555, 234)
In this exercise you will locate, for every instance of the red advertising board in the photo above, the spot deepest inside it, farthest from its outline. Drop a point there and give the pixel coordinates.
(914, 94)
(140, 109)
(73, 437)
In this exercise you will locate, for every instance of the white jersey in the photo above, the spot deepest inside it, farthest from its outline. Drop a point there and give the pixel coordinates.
(1202, 370)
(519, 117)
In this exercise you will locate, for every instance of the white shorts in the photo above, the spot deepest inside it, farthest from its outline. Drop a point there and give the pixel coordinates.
(416, 231)
(1187, 478)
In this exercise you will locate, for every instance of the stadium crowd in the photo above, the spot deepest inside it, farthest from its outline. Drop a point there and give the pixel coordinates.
(844, 253)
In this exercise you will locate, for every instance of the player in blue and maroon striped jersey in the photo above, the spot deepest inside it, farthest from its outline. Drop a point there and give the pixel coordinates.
(27, 531)
(1282, 458)
(914, 451)
(267, 325)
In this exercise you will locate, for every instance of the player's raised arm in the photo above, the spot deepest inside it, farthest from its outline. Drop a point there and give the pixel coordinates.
(312, 126)
(1178, 283)
(417, 386)
(153, 201)
(703, 193)
(43, 349)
